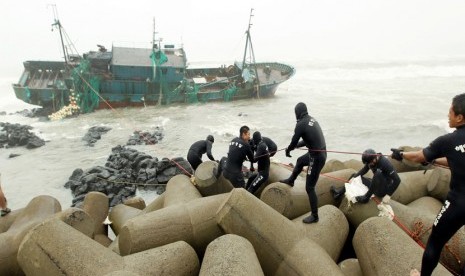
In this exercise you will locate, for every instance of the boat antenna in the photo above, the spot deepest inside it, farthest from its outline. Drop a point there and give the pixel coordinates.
(57, 25)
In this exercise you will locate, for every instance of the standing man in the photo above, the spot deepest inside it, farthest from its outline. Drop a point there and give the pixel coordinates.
(194, 156)
(446, 150)
(309, 130)
(262, 157)
(239, 150)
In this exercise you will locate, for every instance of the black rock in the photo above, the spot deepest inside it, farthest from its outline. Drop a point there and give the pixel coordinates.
(94, 134)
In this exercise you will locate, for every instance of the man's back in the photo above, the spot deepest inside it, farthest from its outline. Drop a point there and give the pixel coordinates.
(238, 151)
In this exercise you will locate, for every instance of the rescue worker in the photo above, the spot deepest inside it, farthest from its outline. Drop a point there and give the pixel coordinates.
(385, 178)
(239, 150)
(262, 157)
(272, 147)
(446, 150)
(310, 131)
(194, 156)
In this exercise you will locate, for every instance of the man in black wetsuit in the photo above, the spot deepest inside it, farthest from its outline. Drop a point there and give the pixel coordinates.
(309, 130)
(385, 178)
(239, 149)
(447, 150)
(194, 156)
(262, 157)
(272, 147)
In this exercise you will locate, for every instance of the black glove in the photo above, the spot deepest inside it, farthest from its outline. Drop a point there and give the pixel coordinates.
(362, 199)
(397, 154)
(354, 175)
(288, 153)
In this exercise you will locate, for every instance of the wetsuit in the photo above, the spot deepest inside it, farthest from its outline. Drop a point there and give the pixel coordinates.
(310, 131)
(451, 217)
(238, 151)
(194, 156)
(385, 179)
(272, 147)
(262, 157)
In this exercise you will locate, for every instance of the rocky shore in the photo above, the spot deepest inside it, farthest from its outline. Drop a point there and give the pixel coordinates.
(201, 225)
(126, 170)
(16, 135)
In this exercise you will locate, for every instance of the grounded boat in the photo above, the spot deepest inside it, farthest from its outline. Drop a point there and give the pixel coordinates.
(143, 76)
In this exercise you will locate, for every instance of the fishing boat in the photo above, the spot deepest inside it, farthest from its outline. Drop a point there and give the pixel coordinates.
(158, 75)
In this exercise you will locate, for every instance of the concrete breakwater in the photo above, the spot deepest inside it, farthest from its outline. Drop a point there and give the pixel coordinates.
(203, 226)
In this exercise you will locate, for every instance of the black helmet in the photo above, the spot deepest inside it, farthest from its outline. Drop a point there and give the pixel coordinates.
(300, 110)
(368, 156)
(211, 138)
(256, 137)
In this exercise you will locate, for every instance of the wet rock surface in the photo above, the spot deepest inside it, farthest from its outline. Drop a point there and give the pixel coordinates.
(94, 134)
(16, 135)
(126, 169)
(145, 137)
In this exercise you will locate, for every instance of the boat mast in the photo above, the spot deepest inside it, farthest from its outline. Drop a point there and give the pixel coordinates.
(252, 54)
(157, 68)
(57, 24)
(247, 39)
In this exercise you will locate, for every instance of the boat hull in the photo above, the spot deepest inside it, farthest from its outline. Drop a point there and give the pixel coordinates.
(41, 85)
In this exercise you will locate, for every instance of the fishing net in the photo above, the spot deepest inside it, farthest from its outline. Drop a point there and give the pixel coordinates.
(229, 93)
(86, 87)
(192, 94)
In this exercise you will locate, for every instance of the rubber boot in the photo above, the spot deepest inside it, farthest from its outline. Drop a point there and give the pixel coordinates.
(217, 171)
(311, 219)
(337, 193)
(290, 181)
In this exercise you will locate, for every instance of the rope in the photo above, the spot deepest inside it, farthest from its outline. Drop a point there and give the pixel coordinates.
(358, 153)
(128, 183)
(413, 234)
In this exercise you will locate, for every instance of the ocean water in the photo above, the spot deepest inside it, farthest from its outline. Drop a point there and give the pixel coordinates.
(358, 105)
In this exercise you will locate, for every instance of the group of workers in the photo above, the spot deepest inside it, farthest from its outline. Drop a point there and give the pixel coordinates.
(447, 150)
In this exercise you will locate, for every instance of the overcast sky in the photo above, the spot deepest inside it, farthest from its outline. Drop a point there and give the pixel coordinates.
(213, 30)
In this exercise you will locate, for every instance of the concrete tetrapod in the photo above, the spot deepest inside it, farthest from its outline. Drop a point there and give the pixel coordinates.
(136, 202)
(55, 248)
(193, 222)
(351, 267)
(206, 180)
(37, 210)
(293, 201)
(413, 185)
(230, 255)
(419, 220)
(179, 190)
(78, 219)
(439, 185)
(96, 205)
(333, 165)
(427, 204)
(279, 244)
(120, 214)
(330, 232)
(382, 248)
(7, 221)
(156, 204)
